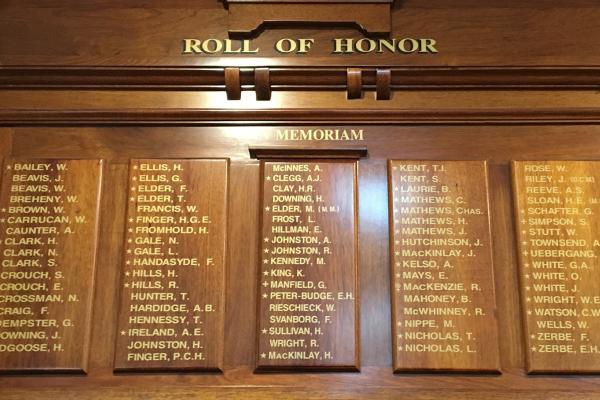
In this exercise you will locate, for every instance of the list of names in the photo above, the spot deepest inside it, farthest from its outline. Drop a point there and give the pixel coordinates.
(443, 285)
(48, 227)
(557, 210)
(308, 275)
(171, 315)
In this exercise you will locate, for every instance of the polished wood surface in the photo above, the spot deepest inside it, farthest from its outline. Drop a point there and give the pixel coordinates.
(556, 208)
(426, 107)
(443, 295)
(48, 243)
(247, 19)
(308, 317)
(469, 33)
(497, 144)
(172, 288)
(512, 80)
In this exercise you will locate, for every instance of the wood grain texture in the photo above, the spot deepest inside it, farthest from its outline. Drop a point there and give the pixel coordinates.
(309, 1)
(497, 144)
(306, 152)
(29, 107)
(262, 83)
(556, 203)
(172, 288)
(273, 117)
(49, 238)
(297, 77)
(308, 315)
(6, 135)
(513, 79)
(125, 33)
(248, 18)
(383, 83)
(233, 85)
(444, 311)
(160, 393)
(354, 83)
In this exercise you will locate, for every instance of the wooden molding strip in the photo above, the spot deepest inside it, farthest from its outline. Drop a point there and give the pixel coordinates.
(286, 152)
(298, 78)
(301, 116)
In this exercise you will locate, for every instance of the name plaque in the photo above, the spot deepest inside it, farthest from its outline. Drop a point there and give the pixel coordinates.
(172, 308)
(557, 215)
(48, 227)
(308, 306)
(443, 301)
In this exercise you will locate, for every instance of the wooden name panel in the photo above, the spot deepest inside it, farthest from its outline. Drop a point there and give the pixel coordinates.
(48, 227)
(557, 215)
(443, 297)
(308, 306)
(172, 307)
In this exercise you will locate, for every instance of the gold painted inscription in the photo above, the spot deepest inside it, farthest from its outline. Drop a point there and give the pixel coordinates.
(443, 285)
(557, 208)
(308, 273)
(171, 315)
(48, 226)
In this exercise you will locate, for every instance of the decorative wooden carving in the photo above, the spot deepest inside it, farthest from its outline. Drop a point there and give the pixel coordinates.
(233, 85)
(354, 83)
(246, 17)
(262, 83)
(383, 84)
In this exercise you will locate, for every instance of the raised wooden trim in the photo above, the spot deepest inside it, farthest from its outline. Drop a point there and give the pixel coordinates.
(300, 116)
(233, 85)
(288, 152)
(298, 78)
(383, 84)
(262, 83)
(354, 83)
(247, 19)
(309, 1)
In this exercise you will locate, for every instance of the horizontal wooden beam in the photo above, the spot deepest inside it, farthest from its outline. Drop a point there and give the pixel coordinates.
(306, 151)
(298, 78)
(224, 117)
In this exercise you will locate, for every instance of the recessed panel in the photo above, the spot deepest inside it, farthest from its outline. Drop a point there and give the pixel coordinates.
(442, 277)
(557, 204)
(48, 227)
(308, 305)
(172, 287)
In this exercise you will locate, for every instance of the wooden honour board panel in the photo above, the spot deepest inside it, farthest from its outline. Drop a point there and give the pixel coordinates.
(443, 298)
(48, 227)
(172, 290)
(308, 285)
(118, 144)
(557, 208)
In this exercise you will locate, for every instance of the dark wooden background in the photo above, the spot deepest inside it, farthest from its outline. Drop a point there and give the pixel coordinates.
(105, 79)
